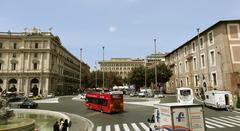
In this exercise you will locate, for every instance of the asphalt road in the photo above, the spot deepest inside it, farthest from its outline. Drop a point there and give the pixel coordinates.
(136, 113)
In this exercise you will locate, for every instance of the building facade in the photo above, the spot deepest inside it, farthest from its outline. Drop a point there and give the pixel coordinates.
(121, 66)
(37, 60)
(210, 60)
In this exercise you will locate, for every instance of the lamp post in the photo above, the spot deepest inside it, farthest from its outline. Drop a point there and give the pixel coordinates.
(96, 74)
(155, 61)
(103, 69)
(80, 68)
(145, 63)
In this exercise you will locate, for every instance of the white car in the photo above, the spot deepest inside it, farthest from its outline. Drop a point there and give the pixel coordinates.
(141, 94)
(82, 96)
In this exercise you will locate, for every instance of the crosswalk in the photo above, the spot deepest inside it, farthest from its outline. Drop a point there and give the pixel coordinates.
(211, 123)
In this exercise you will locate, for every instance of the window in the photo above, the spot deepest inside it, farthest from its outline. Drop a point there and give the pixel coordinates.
(201, 43)
(212, 58)
(202, 61)
(36, 45)
(196, 80)
(180, 67)
(35, 65)
(186, 66)
(210, 38)
(187, 81)
(214, 79)
(0, 66)
(1, 45)
(14, 55)
(193, 46)
(0, 55)
(14, 66)
(181, 83)
(194, 63)
(14, 45)
(233, 31)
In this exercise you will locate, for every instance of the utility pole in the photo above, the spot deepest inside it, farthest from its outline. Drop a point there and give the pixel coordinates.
(155, 62)
(80, 68)
(145, 63)
(103, 69)
(96, 74)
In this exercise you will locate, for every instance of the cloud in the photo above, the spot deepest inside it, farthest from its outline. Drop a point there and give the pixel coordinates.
(112, 29)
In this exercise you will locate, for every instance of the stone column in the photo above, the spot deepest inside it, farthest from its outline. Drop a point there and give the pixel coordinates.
(27, 88)
(46, 87)
(4, 84)
(40, 84)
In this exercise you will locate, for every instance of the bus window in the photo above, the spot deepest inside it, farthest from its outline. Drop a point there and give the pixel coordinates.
(103, 102)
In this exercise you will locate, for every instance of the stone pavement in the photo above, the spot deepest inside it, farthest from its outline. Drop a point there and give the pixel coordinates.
(79, 123)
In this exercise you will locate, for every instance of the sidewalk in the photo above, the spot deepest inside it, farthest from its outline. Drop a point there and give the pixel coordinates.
(79, 123)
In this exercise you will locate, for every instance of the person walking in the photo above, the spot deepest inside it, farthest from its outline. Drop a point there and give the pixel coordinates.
(65, 125)
(61, 124)
(56, 126)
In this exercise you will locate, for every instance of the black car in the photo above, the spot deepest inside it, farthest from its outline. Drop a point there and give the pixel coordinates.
(16, 98)
(28, 103)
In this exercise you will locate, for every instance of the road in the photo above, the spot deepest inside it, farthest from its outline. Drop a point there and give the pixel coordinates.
(137, 110)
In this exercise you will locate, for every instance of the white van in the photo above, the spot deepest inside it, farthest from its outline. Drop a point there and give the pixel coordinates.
(218, 99)
(185, 95)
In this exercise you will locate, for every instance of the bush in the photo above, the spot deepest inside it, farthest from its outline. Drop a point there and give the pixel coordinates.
(238, 102)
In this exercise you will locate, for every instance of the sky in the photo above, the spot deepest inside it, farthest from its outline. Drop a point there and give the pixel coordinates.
(126, 28)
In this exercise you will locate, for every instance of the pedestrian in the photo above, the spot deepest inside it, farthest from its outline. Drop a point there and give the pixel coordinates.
(61, 124)
(65, 125)
(56, 126)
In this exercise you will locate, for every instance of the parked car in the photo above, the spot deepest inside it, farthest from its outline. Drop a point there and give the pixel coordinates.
(141, 94)
(28, 103)
(16, 98)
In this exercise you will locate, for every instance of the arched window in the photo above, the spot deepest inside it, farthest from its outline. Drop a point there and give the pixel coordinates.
(14, 66)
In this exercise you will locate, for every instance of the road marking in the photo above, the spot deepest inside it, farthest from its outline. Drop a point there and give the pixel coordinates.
(220, 122)
(210, 123)
(229, 122)
(135, 127)
(144, 126)
(208, 126)
(116, 127)
(234, 118)
(108, 128)
(99, 128)
(125, 126)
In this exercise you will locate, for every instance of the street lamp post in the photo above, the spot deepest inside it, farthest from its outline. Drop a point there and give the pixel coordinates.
(103, 69)
(155, 61)
(80, 68)
(96, 74)
(145, 73)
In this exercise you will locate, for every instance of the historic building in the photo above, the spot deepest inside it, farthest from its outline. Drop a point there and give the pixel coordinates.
(35, 60)
(121, 66)
(210, 60)
(155, 58)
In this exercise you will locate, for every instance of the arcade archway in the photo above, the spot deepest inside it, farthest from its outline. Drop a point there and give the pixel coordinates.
(34, 86)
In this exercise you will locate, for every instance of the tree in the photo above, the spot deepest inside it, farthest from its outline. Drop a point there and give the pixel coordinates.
(137, 77)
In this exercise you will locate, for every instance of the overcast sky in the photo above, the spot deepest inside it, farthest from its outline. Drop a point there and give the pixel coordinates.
(125, 27)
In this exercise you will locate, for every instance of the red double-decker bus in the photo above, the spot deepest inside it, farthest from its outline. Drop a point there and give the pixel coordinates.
(111, 102)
